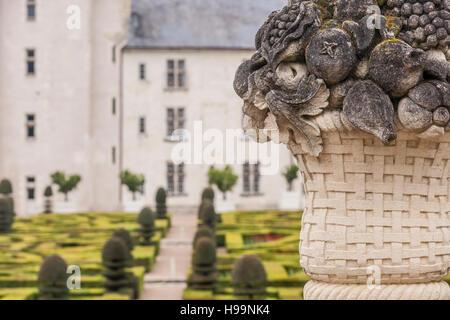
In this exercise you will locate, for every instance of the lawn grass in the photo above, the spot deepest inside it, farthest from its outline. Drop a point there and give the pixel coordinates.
(79, 239)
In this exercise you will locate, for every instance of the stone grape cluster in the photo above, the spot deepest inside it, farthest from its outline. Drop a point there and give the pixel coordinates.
(426, 23)
(283, 22)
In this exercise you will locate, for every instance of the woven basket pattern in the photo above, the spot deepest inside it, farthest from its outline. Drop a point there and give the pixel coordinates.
(375, 205)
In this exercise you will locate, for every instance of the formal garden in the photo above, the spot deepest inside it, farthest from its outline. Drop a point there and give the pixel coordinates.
(245, 255)
(77, 256)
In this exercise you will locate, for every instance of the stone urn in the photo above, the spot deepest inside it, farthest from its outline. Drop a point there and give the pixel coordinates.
(361, 98)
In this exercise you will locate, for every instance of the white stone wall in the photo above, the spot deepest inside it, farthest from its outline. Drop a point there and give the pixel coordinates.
(69, 96)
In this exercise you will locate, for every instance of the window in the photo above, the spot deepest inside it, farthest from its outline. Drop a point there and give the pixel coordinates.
(175, 179)
(113, 54)
(170, 178)
(30, 125)
(31, 10)
(256, 178)
(113, 104)
(142, 125)
(246, 179)
(113, 155)
(30, 184)
(31, 61)
(180, 173)
(251, 179)
(142, 71)
(176, 74)
(175, 120)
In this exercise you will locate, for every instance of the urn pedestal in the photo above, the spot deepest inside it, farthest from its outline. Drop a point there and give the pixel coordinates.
(376, 223)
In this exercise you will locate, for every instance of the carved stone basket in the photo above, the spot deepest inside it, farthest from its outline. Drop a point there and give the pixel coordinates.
(362, 99)
(377, 221)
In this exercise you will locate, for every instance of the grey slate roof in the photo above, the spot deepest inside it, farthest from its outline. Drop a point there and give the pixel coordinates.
(218, 24)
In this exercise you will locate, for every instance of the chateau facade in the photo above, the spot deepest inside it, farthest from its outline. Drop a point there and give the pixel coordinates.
(96, 87)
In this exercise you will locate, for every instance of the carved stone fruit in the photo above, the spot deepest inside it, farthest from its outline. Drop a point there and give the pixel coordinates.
(426, 95)
(396, 66)
(413, 117)
(339, 91)
(368, 108)
(289, 74)
(441, 116)
(352, 9)
(331, 55)
(444, 90)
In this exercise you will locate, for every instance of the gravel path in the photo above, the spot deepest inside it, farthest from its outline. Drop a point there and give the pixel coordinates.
(167, 279)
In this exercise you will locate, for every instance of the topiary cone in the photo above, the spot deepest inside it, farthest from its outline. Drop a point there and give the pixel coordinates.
(249, 276)
(52, 278)
(161, 208)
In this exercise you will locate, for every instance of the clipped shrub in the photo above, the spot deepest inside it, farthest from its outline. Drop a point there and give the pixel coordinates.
(52, 279)
(6, 215)
(6, 190)
(125, 236)
(116, 258)
(5, 187)
(204, 232)
(208, 193)
(249, 276)
(161, 208)
(204, 274)
(208, 214)
(146, 220)
(48, 193)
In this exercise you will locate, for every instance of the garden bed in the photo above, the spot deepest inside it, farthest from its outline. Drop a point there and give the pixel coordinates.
(78, 238)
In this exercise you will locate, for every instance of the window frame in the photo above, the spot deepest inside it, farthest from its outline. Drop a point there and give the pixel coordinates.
(176, 75)
(30, 4)
(142, 71)
(30, 124)
(175, 120)
(113, 155)
(251, 177)
(30, 61)
(176, 179)
(142, 125)
(31, 187)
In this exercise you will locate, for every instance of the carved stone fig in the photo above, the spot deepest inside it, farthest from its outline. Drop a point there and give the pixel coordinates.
(413, 117)
(441, 116)
(368, 108)
(396, 66)
(331, 55)
(426, 95)
(444, 90)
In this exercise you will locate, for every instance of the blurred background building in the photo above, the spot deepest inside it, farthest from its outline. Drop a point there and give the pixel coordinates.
(97, 87)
